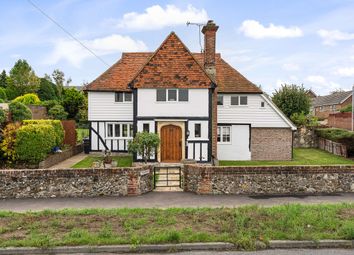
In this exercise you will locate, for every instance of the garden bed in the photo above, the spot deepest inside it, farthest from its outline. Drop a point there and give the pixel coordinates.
(242, 226)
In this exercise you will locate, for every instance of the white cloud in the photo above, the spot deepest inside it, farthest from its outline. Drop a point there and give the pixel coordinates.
(320, 84)
(74, 53)
(345, 71)
(157, 17)
(290, 67)
(330, 37)
(317, 79)
(15, 56)
(255, 30)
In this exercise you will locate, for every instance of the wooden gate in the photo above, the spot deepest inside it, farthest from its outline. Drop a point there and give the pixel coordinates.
(171, 143)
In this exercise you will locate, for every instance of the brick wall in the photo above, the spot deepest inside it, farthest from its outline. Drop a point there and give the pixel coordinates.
(340, 120)
(70, 132)
(38, 112)
(45, 183)
(271, 144)
(272, 180)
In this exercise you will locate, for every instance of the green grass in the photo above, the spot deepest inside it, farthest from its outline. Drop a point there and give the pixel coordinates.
(81, 133)
(123, 161)
(241, 226)
(301, 157)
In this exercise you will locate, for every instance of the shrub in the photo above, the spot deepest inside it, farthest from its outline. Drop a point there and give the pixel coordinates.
(73, 100)
(3, 116)
(19, 111)
(337, 135)
(27, 99)
(2, 100)
(7, 145)
(56, 124)
(57, 112)
(300, 119)
(34, 142)
(348, 108)
(49, 104)
(144, 144)
(3, 95)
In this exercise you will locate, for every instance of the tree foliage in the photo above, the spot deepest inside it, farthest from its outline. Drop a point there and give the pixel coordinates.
(47, 90)
(3, 79)
(19, 111)
(3, 94)
(3, 116)
(7, 145)
(302, 120)
(28, 99)
(57, 112)
(72, 101)
(23, 79)
(144, 144)
(292, 99)
(60, 81)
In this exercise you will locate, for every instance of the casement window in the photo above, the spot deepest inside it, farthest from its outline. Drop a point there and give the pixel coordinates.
(119, 130)
(197, 130)
(123, 97)
(172, 95)
(220, 100)
(224, 134)
(239, 100)
(146, 127)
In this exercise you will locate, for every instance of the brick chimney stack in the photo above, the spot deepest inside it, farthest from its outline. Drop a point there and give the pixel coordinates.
(209, 31)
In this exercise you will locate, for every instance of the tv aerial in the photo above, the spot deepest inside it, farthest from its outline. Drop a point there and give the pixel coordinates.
(200, 25)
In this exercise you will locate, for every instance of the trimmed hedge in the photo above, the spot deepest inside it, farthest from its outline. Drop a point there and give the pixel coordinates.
(34, 142)
(337, 135)
(27, 99)
(56, 124)
(19, 111)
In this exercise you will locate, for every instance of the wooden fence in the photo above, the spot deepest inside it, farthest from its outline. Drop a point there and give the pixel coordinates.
(333, 147)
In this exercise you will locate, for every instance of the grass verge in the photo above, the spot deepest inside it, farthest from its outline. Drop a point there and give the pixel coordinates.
(123, 161)
(241, 226)
(301, 157)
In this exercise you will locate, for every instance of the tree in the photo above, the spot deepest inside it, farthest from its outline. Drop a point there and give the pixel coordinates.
(23, 79)
(144, 144)
(72, 101)
(19, 111)
(60, 80)
(3, 79)
(3, 94)
(58, 112)
(47, 90)
(292, 99)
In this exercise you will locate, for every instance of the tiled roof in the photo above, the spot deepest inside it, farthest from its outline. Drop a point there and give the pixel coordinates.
(332, 99)
(172, 65)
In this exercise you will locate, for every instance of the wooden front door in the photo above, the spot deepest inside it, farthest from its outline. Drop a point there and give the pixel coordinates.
(171, 143)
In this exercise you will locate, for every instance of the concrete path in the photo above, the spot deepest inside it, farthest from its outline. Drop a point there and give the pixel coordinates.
(166, 200)
(70, 161)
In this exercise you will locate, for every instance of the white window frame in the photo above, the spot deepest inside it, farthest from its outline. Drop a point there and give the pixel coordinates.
(239, 101)
(221, 128)
(124, 101)
(177, 96)
(130, 135)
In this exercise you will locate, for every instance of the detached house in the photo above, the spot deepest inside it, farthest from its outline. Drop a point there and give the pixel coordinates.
(201, 107)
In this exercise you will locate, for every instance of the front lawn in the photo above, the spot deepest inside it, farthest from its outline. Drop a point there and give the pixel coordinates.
(241, 226)
(123, 161)
(301, 157)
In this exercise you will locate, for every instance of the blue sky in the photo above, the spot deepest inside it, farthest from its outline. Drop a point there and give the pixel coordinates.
(270, 42)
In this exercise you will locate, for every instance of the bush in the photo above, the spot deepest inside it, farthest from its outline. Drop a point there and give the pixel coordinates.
(34, 142)
(56, 124)
(337, 135)
(49, 104)
(3, 95)
(7, 145)
(348, 108)
(19, 111)
(144, 144)
(73, 100)
(300, 119)
(3, 116)
(58, 113)
(28, 99)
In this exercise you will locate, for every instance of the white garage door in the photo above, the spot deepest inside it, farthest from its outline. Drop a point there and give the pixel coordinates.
(234, 142)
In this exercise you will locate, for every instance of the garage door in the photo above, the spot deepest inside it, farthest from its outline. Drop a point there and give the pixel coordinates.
(237, 146)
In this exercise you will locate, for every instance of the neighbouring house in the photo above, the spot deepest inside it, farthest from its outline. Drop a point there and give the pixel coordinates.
(324, 105)
(311, 94)
(201, 107)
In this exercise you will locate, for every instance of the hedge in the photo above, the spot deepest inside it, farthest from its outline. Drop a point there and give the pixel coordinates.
(27, 99)
(19, 111)
(34, 142)
(337, 135)
(56, 124)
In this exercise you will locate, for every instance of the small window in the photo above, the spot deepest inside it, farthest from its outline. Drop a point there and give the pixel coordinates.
(226, 133)
(160, 95)
(116, 130)
(146, 127)
(172, 95)
(183, 95)
(243, 100)
(109, 130)
(220, 100)
(127, 97)
(234, 100)
(119, 96)
(197, 130)
(262, 104)
(219, 134)
(125, 130)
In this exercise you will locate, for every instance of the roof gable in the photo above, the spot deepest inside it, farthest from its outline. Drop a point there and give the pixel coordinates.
(172, 65)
